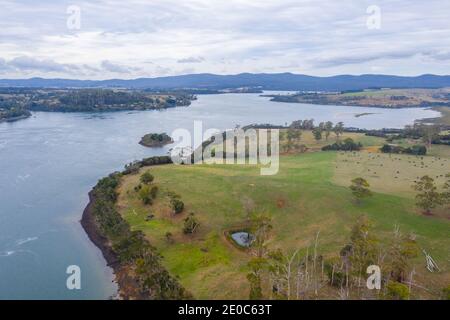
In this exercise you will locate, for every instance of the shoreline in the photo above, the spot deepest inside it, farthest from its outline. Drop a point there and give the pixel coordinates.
(126, 279)
(126, 287)
(372, 106)
(22, 117)
(90, 228)
(443, 119)
(276, 98)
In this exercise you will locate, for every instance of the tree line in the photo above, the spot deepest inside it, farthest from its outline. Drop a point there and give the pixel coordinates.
(293, 134)
(131, 247)
(93, 100)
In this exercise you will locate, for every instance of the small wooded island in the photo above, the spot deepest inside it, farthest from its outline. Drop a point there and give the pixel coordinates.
(155, 140)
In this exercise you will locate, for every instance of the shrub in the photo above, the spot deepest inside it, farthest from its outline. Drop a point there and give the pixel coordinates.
(360, 188)
(347, 145)
(144, 195)
(190, 224)
(417, 150)
(169, 237)
(154, 192)
(397, 291)
(132, 168)
(446, 293)
(147, 177)
(177, 205)
(336, 276)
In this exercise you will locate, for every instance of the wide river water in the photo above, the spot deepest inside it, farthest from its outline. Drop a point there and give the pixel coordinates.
(49, 162)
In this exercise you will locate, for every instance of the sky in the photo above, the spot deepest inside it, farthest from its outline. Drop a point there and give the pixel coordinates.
(104, 39)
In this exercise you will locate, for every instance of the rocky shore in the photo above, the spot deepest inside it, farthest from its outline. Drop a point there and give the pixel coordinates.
(113, 236)
(128, 288)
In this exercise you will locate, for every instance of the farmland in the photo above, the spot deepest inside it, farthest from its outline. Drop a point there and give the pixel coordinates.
(310, 194)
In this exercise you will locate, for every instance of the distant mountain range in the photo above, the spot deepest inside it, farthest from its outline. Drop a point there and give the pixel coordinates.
(265, 81)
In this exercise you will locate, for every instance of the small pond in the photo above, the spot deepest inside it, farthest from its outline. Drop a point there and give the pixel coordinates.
(243, 239)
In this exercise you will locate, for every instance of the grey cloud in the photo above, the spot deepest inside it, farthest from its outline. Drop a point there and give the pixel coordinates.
(440, 55)
(3, 64)
(362, 58)
(191, 60)
(162, 70)
(31, 64)
(26, 63)
(116, 68)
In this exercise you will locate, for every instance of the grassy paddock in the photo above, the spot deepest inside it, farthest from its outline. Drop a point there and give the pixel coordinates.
(309, 194)
(307, 139)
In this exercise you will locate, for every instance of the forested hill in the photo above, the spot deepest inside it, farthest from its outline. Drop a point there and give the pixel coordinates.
(14, 100)
(276, 81)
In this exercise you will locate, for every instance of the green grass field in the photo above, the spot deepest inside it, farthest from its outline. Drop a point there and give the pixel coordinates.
(309, 194)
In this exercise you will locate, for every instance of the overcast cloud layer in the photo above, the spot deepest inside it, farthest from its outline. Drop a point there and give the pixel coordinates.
(137, 38)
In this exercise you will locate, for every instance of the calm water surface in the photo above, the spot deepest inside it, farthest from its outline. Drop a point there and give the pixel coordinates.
(49, 162)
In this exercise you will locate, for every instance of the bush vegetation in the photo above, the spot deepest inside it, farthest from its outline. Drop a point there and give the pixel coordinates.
(347, 145)
(131, 247)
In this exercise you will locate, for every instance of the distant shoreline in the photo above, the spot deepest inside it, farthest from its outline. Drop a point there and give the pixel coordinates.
(13, 119)
(375, 106)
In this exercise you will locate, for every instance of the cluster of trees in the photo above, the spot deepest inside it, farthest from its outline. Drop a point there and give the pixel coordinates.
(147, 192)
(324, 129)
(305, 273)
(14, 112)
(303, 97)
(417, 150)
(92, 98)
(293, 139)
(133, 167)
(428, 133)
(191, 222)
(131, 247)
(347, 145)
(307, 124)
(428, 196)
